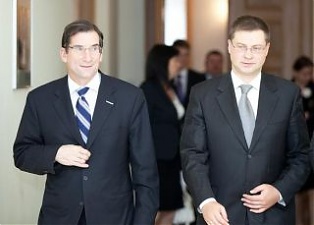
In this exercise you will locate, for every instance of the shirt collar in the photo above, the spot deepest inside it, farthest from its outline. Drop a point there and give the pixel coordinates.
(256, 82)
(93, 84)
(184, 73)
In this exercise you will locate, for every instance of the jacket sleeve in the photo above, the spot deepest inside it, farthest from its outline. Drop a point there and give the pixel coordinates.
(297, 166)
(143, 164)
(30, 152)
(194, 151)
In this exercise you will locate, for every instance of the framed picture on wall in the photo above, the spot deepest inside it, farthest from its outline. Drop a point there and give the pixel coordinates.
(22, 45)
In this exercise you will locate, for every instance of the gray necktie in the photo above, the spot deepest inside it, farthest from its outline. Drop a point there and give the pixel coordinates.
(246, 114)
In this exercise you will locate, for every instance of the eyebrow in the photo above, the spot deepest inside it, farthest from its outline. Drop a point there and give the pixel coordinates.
(239, 43)
(83, 45)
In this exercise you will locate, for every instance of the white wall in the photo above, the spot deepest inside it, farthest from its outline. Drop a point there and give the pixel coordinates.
(105, 11)
(208, 30)
(130, 40)
(175, 19)
(123, 25)
(21, 193)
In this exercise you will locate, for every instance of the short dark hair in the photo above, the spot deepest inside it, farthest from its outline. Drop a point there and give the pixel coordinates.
(179, 43)
(302, 62)
(157, 62)
(249, 23)
(214, 52)
(77, 27)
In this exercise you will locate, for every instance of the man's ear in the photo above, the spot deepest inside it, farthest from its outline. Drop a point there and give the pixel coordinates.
(229, 45)
(100, 59)
(63, 55)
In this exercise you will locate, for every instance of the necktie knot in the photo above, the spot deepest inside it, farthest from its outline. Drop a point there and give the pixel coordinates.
(245, 88)
(83, 91)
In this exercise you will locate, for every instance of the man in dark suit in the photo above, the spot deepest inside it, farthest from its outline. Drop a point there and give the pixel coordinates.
(245, 145)
(187, 77)
(90, 133)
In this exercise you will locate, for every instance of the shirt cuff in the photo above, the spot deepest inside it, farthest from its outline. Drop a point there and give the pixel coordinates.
(199, 209)
(281, 201)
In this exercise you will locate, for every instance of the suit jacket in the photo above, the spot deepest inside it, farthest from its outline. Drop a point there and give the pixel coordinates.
(164, 121)
(120, 136)
(193, 78)
(217, 162)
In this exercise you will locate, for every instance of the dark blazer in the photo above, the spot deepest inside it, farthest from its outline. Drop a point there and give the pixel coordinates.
(217, 162)
(193, 78)
(120, 136)
(164, 121)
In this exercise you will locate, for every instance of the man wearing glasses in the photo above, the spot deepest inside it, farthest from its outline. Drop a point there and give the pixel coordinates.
(90, 134)
(245, 145)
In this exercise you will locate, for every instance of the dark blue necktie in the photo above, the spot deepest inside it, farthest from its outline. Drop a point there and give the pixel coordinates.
(83, 115)
(179, 89)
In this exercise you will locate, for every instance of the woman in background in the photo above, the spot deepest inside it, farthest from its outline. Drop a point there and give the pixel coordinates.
(165, 111)
(303, 78)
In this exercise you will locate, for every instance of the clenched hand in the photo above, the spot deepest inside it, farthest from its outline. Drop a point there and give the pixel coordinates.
(215, 213)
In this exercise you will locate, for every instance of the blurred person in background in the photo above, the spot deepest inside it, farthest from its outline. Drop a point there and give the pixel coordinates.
(165, 112)
(187, 77)
(213, 64)
(303, 78)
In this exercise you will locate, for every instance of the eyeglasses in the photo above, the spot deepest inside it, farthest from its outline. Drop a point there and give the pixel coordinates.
(93, 50)
(255, 49)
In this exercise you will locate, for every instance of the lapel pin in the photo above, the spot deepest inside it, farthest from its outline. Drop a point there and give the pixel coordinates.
(111, 103)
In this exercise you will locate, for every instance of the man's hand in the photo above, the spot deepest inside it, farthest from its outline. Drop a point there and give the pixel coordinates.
(215, 213)
(261, 198)
(73, 155)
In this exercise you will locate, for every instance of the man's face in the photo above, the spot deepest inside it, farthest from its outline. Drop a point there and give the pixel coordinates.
(214, 64)
(248, 51)
(184, 54)
(304, 76)
(82, 57)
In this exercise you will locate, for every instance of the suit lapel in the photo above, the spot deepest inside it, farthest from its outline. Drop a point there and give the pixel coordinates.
(104, 104)
(64, 109)
(266, 106)
(228, 105)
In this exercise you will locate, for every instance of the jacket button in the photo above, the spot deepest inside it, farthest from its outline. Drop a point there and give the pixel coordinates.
(249, 156)
(81, 203)
(85, 177)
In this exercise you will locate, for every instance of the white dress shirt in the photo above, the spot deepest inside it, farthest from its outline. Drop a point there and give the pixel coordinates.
(90, 96)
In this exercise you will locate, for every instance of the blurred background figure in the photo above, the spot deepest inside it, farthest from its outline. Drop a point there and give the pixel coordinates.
(165, 111)
(303, 77)
(213, 64)
(187, 77)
